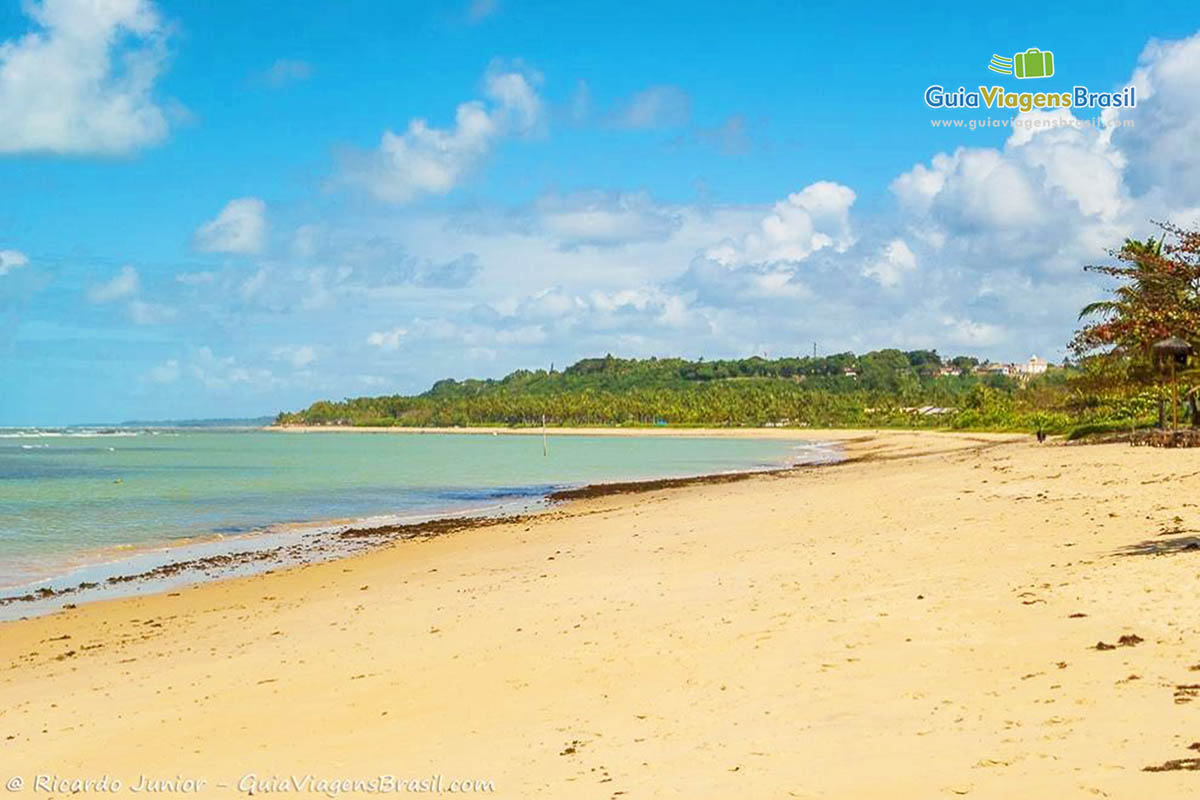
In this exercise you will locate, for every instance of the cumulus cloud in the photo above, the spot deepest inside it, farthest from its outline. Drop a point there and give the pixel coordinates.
(592, 316)
(1047, 202)
(605, 219)
(388, 340)
(10, 260)
(727, 285)
(340, 274)
(1001, 233)
(204, 370)
(894, 260)
(1161, 143)
(454, 274)
(222, 373)
(299, 356)
(816, 217)
(977, 249)
(428, 160)
(240, 228)
(121, 286)
(970, 334)
(82, 81)
(126, 288)
(660, 106)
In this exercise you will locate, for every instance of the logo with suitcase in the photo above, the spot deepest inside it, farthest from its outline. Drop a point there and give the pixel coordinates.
(1033, 63)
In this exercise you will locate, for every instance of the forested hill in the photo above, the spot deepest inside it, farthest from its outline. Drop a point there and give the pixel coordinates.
(885, 387)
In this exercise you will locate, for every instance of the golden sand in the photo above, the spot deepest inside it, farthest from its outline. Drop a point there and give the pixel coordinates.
(918, 623)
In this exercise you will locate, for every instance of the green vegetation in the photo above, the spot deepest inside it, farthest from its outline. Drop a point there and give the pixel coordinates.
(1115, 383)
(881, 388)
(1156, 295)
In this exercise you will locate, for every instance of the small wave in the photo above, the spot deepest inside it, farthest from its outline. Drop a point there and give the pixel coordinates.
(818, 452)
(497, 492)
(82, 433)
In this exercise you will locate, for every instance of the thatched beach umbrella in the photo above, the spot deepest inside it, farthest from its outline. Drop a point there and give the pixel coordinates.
(1174, 352)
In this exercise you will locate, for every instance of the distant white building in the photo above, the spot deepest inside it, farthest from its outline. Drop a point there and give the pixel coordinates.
(991, 368)
(1034, 366)
(1023, 369)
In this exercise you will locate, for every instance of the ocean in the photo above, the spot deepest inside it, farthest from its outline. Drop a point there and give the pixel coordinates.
(83, 506)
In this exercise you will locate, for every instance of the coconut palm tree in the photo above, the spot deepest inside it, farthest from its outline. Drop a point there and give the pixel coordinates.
(1141, 254)
(1158, 296)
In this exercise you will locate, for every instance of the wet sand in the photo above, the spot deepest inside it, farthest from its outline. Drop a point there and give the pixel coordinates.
(941, 615)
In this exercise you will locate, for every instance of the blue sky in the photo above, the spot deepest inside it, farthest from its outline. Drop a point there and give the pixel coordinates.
(214, 210)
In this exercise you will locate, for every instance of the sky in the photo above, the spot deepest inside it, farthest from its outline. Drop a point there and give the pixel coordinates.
(225, 209)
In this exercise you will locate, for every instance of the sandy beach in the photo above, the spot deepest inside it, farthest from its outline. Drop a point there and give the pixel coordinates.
(496, 430)
(920, 621)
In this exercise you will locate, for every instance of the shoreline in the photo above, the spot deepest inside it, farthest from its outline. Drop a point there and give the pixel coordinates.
(196, 561)
(365, 534)
(935, 616)
(827, 434)
(171, 565)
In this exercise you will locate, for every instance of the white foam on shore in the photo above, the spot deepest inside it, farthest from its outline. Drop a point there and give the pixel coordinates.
(308, 542)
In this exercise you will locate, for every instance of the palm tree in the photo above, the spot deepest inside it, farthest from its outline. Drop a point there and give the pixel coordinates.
(1142, 255)
(1158, 296)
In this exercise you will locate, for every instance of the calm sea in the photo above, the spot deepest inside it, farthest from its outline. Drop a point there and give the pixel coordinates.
(78, 504)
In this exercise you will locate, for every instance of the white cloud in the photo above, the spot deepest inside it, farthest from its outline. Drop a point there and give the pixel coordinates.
(240, 228)
(1001, 233)
(731, 137)
(221, 373)
(979, 251)
(389, 339)
(10, 260)
(1161, 143)
(428, 160)
(479, 10)
(661, 106)
(126, 287)
(306, 240)
(579, 107)
(208, 372)
(200, 278)
(453, 274)
(372, 381)
(286, 71)
(143, 313)
(605, 218)
(299, 356)
(966, 333)
(166, 372)
(123, 285)
(253, 286)
(895, 259)
(730, 285)
(816, 217)
(82, 81)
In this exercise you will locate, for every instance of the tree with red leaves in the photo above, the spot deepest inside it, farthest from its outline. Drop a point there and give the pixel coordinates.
(1157, 295)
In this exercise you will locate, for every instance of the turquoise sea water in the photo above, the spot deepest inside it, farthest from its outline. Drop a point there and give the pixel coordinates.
(72, 498)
